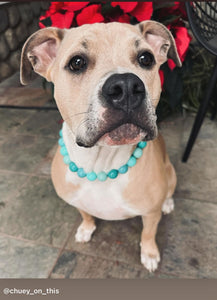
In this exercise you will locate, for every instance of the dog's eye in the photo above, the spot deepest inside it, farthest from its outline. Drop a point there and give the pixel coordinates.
(77, 64)
(146, 59)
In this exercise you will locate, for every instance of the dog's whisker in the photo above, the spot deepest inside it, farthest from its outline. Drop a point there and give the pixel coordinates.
(77, 114)
(83, 123)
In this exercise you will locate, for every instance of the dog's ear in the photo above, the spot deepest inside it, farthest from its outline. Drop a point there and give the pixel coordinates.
(161, 41)
(38, 53)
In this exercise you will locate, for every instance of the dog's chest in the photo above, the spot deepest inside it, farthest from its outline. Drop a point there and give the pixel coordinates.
(101, 199)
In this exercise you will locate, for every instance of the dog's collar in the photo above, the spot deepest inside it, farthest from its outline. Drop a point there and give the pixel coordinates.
(101, 176)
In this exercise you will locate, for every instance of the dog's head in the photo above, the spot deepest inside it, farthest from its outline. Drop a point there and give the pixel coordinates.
(105, 77)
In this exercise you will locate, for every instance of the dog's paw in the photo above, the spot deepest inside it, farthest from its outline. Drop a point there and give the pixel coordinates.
(83, 235)
(168, 206)
(150, 262)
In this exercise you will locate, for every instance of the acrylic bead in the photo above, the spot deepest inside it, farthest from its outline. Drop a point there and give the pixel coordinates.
(137, 152)
(142, 144)
(81, 173)
(73, 167)
(63, 151)
(123, 169)
(102, 176)
(113, 174)
(66, 159)
(131, 162)
(61, 142)
(91, 176)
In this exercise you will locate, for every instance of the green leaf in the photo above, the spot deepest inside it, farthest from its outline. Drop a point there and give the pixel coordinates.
(173, 86)
(161, 5)
(169, 19)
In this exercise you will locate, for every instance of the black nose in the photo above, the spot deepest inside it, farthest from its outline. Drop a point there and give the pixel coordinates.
(124, 91)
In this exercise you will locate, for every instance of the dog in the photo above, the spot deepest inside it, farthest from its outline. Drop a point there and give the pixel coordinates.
(107, 86)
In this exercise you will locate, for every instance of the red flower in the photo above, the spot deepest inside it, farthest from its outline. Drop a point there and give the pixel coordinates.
(90, 14)
(182, 39)
(161, 74)
(68, 6)
(125, 6)
(74, 6)
(123, 19)
(62, 20)
(141, 10)
(62, 13)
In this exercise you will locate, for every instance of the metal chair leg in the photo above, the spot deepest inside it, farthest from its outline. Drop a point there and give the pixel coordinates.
(201, 114)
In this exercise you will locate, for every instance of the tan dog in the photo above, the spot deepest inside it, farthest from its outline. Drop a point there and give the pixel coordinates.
(107, 87)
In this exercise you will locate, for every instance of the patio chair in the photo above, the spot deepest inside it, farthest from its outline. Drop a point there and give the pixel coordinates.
(202, 18)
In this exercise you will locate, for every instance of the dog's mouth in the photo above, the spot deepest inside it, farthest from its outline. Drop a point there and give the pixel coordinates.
(127, 133)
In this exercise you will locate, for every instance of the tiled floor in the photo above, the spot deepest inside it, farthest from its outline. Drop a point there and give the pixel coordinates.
(37, 228)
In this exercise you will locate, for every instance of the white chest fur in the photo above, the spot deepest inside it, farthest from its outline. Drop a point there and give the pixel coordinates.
(100, 199)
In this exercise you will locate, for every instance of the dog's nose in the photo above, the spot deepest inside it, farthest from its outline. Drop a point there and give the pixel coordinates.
(124, 91)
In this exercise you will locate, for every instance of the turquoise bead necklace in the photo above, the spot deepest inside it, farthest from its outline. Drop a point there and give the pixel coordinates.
(101, 176)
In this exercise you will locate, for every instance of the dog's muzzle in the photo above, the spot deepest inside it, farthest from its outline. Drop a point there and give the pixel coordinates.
(128, 116)
(124, 92)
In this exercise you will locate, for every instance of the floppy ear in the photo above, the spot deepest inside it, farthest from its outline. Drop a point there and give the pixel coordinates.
(161, 41)
(38, 53)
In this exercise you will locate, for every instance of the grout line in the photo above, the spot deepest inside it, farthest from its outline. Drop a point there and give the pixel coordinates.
(64, 248)
(138, 266)
(35, 243)
(16, 192)
(60, 253)
(13, 131)
(177, 276)
(54, 136)
(30, 176)
(47, 157)
(180, 198)
(11, 172)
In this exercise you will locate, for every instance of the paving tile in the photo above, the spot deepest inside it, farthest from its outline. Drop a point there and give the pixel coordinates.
(197, 177)
(22, 259)
(24, 152)
(46, 123)
(208, 129)
(11, 119)
(192, 241)
(171, 130)
(76, 265)
(13, 80)
(116, 240)
(9, 184)
(24, 96)
(38, 214)
(44, 167)
(2, 139)
(166, 276)
(200, 181)
(12, 92)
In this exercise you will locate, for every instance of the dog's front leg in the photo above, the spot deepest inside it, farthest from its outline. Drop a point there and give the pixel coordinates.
(86, 228)
(150, 255)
